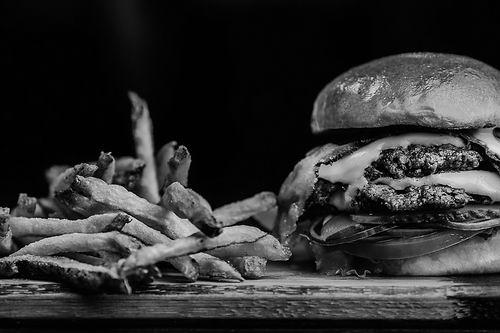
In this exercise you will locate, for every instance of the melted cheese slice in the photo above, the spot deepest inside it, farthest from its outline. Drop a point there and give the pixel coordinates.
(473, 182)
(350, 169)
(486, 136)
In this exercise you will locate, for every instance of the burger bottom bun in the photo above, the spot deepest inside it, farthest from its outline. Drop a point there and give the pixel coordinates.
(474, 256)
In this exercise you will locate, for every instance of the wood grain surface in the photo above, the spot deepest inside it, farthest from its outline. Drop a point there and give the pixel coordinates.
(284, 293)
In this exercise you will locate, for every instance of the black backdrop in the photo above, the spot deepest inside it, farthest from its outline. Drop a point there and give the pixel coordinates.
(233, 80)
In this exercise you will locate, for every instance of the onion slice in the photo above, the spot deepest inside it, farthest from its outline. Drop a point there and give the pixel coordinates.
(481, 224)
(333, 226)
(408, 233)
(410, 247)
(468, 218)
(358, 236)
(340, 229)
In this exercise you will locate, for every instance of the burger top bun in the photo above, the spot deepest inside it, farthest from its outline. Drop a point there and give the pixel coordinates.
(418, 89)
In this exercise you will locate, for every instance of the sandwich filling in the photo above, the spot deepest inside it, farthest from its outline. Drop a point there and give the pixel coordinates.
(347, 197)
(408, 172)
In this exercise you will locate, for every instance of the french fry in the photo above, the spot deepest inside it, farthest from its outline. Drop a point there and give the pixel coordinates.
(205, 265)
(247, 241)
(185, 264)
(215, 269)
(26, 206)
(83, 277)
(105, 167)
(66, 178)
(242, 241)
(188, 204)
(162, 158)
(249, 267)
(128, 172)
(47, 227)
(192, 244)
(241, 210)
(67, 201)
(114, 197)
(106, 223)
(91, 195)
(179, 166)
(142, 129)
(150, 255)
(112, 241)
(7, 246)
(63, 182)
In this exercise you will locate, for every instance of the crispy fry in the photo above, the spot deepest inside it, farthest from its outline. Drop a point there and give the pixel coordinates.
(114, 198)
(117, 198)
(65, 179)
(185, 264)
(215, 269)
(26, 206)
(7, 246)
(242, 240)
(80, 204)
(83, 277)
(241, 210)
(22, 226)
(162, 158)
(63, 182)
(150, 255)
(188, 204)
(128, 172)
(94, 196)
(179, 167)
(109, 218)
(112, 241)
(105, 167)
(142, 129)
(206, 265)
(249, 267)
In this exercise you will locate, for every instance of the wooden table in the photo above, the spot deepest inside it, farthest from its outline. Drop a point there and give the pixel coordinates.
(451, 302)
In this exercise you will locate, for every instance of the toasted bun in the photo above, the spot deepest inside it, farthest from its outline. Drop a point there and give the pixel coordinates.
(474, 256)
(418, 89)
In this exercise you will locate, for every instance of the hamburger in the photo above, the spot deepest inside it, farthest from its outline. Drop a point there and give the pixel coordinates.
(409, 182)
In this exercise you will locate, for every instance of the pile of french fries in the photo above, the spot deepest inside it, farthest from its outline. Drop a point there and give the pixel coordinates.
(110, 225)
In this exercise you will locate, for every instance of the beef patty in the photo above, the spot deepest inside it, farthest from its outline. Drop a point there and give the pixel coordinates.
(412, 161)
(383, 198)
(420, 161)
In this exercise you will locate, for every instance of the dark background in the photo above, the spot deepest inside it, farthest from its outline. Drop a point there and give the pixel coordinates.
(233, 80)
